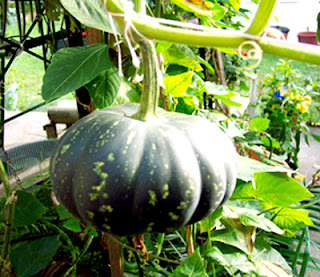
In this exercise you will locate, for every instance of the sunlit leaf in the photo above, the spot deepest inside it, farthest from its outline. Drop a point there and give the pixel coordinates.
(264, 254)
(235, 4)
(292, 219)
(208, 223)
(175, 55)
(248, 167)
(279, 190)
(91, 13)
(72, 68)
(177, 85)
(259, 123)
(199, 7)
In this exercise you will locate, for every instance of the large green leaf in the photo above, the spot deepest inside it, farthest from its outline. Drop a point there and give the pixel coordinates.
(192, 267)
(91, 13)
(259, 123)
(279, 190)
(28, 209)
(177, 85)
(291, 219)
(74, 67)
(104, 88)
(250, 217)
(29, 259)
(234, 237)
(248, 167)
(176, 55)
(263, 254)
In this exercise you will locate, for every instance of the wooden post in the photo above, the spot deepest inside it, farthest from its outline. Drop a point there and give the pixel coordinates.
(116, 263)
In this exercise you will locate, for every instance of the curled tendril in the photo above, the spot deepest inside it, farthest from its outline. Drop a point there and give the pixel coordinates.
(253, 54)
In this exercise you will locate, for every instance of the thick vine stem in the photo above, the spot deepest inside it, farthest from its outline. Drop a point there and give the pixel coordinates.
(150, 93)
(261, 17)
(163, 30)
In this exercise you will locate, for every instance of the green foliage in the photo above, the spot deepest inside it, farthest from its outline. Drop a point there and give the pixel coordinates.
(29, 259)
(79, 67)
(285, 103)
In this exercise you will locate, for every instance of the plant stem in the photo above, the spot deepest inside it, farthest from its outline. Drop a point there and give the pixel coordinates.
(212, 37)
(150, 92)
(10, 215)
(150, 255)
(261, 18)
(83, 251)
(68, 241)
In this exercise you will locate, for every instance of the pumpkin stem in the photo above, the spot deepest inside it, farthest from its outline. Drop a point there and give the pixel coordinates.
(150, 92)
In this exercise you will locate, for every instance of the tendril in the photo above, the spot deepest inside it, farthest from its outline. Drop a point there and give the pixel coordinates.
(253, 54)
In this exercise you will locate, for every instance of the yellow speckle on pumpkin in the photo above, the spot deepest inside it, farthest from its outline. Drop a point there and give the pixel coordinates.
(166, 191)
(111, 157)
(153, 197)
(93, 196)
(149, 228)
(173, 216)
(65, 148)
(105, 208)
(90, 214)
(131, 137)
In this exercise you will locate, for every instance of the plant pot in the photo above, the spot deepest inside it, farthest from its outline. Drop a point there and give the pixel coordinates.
(308, 37)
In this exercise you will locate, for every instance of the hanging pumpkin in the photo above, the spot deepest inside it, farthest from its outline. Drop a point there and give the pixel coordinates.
(134, 169)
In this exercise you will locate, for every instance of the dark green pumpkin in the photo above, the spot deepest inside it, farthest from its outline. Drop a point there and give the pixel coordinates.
(133, 169)
(126, 176)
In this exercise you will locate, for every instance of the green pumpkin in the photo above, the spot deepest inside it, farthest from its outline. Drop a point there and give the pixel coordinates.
(129, 175)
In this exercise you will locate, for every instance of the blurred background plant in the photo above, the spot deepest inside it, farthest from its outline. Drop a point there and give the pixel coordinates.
(285, 99)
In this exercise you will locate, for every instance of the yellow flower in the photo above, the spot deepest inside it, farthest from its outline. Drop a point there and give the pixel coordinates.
(291, 95)
(302, 107)
(299, 177)
(299, 97)
(307, 99)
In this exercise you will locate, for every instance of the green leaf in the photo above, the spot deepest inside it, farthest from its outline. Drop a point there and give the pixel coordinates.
(214, 89)
(192, 267)
(28, 209)
(175, 55)
(104, 88)
(63, 213)
(251, 218)
(263, 253)
(226, 99)
(72, 68)
(208, 223)
(248, 167)
(127, 94)
(259, 123)
(177, 85)
(196, 7)
(90, 13)
(279, 190)
(292, 219)
(235, 4)
(316, 137)
(73, 225)
(214, 255)
(232, 237)
(29, 259)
